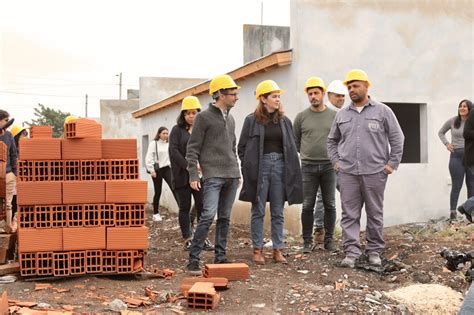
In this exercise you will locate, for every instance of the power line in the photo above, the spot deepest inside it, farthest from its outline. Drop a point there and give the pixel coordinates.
(59, 79)
(51, 95)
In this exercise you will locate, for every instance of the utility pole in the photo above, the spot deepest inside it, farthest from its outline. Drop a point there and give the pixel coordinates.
(262, 29)
(120, 84)
(86, 105)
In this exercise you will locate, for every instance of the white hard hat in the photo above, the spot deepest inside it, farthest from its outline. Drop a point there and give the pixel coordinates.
(337, 87)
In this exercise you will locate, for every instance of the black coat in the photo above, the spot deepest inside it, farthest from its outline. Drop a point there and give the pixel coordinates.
(469, 140)
(250, 149)
(178, 141)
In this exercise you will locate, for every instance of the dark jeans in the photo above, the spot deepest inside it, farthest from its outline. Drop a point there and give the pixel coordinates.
(457, 171)
(319, 210)
(315, 176)
(272, 188)
(184, 194)
(218, 198)
(163, 173)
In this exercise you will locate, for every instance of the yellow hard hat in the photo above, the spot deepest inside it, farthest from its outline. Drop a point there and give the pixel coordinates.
(16, 129)
(356, 75)
(220, 82)
(190, 102)
(265, 87)
(313, 82)
(69, 119)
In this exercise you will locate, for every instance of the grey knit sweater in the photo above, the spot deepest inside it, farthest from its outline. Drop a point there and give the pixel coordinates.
(212, 145)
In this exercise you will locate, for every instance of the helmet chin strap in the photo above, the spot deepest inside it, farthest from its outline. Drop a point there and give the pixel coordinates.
(8, 124)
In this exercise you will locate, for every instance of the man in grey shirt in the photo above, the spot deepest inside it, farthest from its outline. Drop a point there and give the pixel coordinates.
(365, 145)
(212, 148)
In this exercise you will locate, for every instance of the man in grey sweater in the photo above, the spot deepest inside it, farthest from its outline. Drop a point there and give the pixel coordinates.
(211, 149)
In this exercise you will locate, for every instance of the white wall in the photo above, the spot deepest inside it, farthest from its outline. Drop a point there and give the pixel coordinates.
(414, 52)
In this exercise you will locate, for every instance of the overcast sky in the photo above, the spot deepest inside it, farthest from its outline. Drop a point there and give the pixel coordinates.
(55, 52)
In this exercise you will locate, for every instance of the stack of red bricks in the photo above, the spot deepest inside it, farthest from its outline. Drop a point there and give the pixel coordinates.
(81, 204)
(3, 175)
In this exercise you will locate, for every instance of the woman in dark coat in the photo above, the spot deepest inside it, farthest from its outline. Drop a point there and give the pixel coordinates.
(270, 167)
(178, 141)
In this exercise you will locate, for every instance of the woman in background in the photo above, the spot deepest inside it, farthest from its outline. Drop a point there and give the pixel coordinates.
(457, 169)
(158, 165)
(180, 177)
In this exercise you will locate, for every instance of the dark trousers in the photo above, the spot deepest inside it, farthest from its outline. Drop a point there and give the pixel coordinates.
(163, 173)
(183, 195)
(317, 176)
(457, 170)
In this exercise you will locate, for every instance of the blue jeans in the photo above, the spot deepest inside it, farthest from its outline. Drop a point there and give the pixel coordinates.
(457, 171)
(272, 188)
(218, 198)
(316, 176)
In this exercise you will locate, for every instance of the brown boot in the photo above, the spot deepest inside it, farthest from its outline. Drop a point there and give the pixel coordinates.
(258, 256)
(278, 257)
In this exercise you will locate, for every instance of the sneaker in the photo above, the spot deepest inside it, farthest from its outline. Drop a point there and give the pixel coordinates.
(348, 262)
(374, 259)
(453, 215)
(462, 211)
(222, 261)
(208, 245)
(307, 248)
(319, 235)
(194, 268)
(330, 246)
(157, 218)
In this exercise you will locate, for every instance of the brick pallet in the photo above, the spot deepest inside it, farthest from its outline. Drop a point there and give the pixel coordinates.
(81, 206)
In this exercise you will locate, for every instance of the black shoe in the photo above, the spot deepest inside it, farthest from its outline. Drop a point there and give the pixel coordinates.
(462, 211)
(307, 248)
(194, 268)
(208, 245)
(330, 246)
(222, 261)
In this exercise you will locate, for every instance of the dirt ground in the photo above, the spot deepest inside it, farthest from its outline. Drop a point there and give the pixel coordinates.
(309, 283)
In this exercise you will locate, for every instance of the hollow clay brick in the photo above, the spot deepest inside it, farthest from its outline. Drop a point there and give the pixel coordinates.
(40, 240)
(40, 149)
(81, 149)
(218, 283)
(83, 238)
(126, 191)
(83, 128)
(80, 192)
(203, 296)
(127, 238)
(41, 132)
(235, 271)
(44, 263)
(27, 264)
(119, 148)
(39, 193)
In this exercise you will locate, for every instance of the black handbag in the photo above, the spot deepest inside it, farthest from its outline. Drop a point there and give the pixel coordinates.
(156, 165)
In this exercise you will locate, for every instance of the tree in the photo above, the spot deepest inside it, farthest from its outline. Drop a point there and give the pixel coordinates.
(46, 116)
